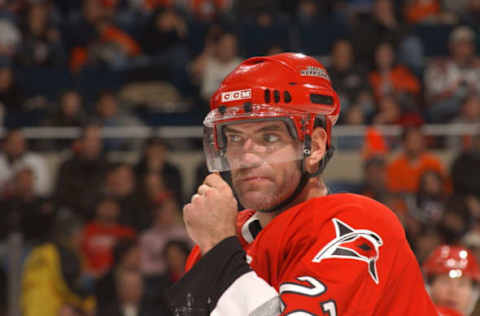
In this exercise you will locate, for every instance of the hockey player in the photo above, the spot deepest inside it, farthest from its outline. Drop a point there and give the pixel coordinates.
(452, 275)
(295, 250)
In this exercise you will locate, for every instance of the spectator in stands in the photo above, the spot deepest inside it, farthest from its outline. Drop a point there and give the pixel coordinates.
(316, 20)
(472, 237)
(374, 178)
(390, 111)
(174, 254)
(154, 159)
(120, 184)
(449, 80)
(109, 114)
(457, 7)
(418, 11)
(210, 10)
(166, 30)
(80, 31)
(165, 41)
(100, 236)
(70, 111)
(198, 64)
(129, 287)
(355, 116)
(427, 239)
(369, 30)
(107, 45)
(87, 163)
(16, 156)
(224, 59)
(151, 193)
(456, 220)
(166, 225)
(348, 78)
(465, 172)
(392, 79)
(41, 43)
(405, 170)
(469, 114)
(12, 98)
(53, 272)
(24, 211)
(8, 11)
(126, 257)
(10, 39)
(452, 274)
(428, 205)
(472, 15)
(270, 28)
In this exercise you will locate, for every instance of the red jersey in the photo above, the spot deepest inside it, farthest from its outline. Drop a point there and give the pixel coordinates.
(98, 244)
(341, 254)
(445, 311)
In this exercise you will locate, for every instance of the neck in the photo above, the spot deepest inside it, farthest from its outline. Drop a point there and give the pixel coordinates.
(314, 188)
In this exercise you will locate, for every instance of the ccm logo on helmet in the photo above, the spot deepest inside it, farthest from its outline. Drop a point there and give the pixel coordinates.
(236, 95)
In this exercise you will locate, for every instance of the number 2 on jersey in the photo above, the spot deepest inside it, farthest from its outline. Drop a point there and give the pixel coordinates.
(315, 288)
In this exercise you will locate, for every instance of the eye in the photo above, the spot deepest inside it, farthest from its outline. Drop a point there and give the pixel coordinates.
(271, 138)
(234, 138)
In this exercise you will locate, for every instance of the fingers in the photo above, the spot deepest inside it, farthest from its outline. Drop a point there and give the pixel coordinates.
(214, 180)
(202, 189)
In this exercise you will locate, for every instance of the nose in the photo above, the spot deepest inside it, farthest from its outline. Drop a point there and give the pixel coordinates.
(249, 160)
(252, 146)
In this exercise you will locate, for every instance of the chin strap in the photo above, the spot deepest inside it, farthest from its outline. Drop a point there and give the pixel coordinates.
(304, 179)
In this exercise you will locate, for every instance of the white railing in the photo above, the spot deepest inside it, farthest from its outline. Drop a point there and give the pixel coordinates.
(197, 131)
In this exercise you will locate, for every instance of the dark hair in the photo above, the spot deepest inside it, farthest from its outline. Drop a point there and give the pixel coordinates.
(65, 225)
(123, 246)
(409, 129)
(113, 166)
(180, 244)
(105, 93)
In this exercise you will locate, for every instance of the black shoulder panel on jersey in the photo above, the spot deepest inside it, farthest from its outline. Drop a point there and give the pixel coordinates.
(199, 290)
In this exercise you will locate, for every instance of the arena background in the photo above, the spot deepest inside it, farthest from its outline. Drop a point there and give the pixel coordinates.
(101, 106)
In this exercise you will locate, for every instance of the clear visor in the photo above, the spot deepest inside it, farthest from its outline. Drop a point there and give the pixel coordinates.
(235, 139)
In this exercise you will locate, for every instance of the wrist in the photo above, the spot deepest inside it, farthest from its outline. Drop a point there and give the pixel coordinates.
(206, 247)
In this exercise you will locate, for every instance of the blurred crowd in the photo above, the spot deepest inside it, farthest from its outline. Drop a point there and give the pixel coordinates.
(393, 62)
(103, 237)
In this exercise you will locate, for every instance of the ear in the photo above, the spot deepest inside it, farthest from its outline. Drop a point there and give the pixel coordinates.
(319, 147)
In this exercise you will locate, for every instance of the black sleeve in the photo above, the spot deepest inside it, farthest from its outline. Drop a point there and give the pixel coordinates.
(198, 292)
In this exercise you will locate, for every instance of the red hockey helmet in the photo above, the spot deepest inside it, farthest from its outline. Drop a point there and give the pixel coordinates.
(456, 261)
(291, 87)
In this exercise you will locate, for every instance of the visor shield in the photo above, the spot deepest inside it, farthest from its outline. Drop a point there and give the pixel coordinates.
(230, 144)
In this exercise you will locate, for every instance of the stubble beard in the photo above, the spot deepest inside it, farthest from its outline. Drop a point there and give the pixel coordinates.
(266, 197)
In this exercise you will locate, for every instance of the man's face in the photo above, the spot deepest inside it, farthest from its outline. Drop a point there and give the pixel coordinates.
(456, 293)
(414, 142)
(462, 49)
(342, 54)
(121, 181)
(15, 144)
(91, 143)
(263, 158)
